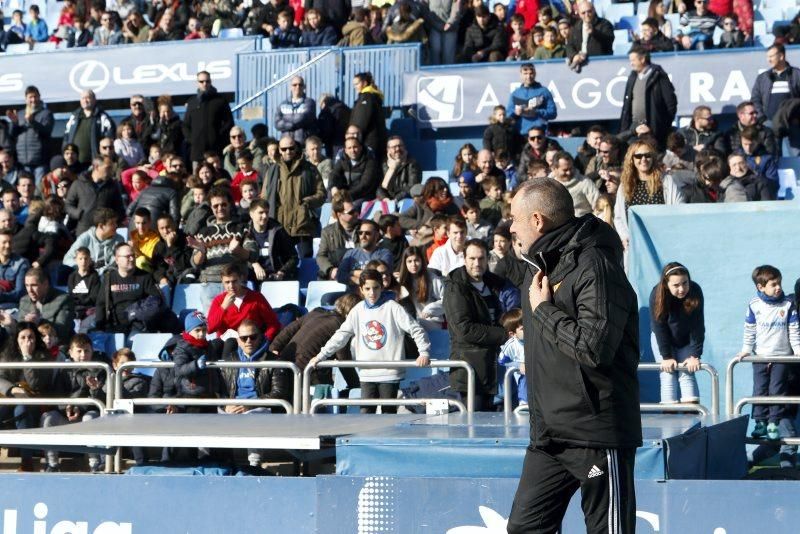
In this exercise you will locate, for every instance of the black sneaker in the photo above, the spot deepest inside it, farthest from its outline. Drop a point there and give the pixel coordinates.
(52, 469)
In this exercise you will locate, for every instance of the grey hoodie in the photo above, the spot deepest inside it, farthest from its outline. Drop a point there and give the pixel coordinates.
(102, 252)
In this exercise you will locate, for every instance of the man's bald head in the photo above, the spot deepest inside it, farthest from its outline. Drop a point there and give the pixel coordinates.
(548, 197)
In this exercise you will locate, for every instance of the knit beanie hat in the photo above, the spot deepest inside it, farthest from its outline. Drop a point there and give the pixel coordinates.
(193, 320)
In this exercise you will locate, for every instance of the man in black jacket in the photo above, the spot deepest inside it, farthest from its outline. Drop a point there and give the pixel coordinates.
(93, 190)
(485, 40)
(208, 119)
(274, 257)
(474, 299)
(649, 104)
(580, 316)
(356, 173)
(599, 37)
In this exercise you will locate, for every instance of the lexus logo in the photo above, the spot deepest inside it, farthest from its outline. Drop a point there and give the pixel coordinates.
(90, 74)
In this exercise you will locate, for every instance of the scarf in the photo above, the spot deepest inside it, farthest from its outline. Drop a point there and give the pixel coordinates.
(437, 205)
(770, 300)
(197, 343)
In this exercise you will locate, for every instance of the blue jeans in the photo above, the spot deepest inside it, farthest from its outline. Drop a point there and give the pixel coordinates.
(443, 47)
(672, 383)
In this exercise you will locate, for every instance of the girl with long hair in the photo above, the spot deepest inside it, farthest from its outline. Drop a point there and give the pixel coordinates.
(678, 332)
(465, 160)
(420, 289)
(642, 182)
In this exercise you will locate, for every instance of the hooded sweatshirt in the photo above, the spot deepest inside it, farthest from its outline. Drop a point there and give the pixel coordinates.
(102, 252)
(379, 330)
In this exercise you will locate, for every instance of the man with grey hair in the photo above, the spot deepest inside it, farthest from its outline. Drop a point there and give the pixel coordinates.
(86, 127)
(580, 318)
(297, 115)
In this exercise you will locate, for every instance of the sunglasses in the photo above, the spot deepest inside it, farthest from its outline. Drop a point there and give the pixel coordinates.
(251, 337)
(352, 212)
(238, 136)
(365, 232)
(603, 151)
(535, 137)
(646, 155)
(286, 148)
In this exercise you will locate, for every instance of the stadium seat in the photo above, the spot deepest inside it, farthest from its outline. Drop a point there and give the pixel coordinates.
(788, 172)
(675, 20)
(622, 36)
(326, 212)
(317, 288)
(122, 231)
(107, 342)
(759, 28)
(147, 347)
(315, 246)
(621, 48)
(405, 204)
(770, 15)
(454, 190)
(22, 48)
(615, 12)
(47, 46)
(196, 296)
(628, 23)
(231, 33)
(307, 271)
(281, 293)
(443, 174)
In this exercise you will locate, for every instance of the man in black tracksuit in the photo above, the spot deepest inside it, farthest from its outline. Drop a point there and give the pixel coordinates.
(580, 317)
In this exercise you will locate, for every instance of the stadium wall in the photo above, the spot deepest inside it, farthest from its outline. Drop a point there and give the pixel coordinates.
(332, 504)
(720, 244)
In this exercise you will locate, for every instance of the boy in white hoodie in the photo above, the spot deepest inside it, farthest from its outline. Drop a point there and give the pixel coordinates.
(379, 325)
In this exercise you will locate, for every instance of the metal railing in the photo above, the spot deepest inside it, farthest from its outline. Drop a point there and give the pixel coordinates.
(406, 364)
(293, 407)
(729, 402)
(737, 410)
(319, 403)
(646, 407)
(67, 365)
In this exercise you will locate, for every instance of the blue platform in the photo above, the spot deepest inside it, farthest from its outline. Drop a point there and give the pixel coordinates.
(489, 445)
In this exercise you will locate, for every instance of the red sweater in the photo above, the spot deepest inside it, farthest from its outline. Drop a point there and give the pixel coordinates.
(254, 307)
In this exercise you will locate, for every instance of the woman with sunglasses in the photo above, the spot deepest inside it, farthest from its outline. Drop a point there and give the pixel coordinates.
(643, 182)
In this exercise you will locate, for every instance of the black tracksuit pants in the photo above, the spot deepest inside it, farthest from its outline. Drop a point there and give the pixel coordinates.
(552, 474)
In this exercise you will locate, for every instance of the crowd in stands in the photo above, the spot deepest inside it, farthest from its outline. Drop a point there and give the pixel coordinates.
(449, 30)
(96, 238)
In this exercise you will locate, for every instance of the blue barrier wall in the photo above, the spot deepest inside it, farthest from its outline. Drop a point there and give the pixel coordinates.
(52, 504)
(720, 245)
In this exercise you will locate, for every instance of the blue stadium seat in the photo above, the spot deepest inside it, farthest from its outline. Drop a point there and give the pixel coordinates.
(196, 296)
(231, 33)
(628, 23)
(444, 174)
(107, 342)
(621, 48)
(759, 28)
(454, 190)
(405, 204)
(122, 231)
(325, 214)
(281, 293)
(622, 36)
(147, 347)
(615, 12)
(788, 174)
(317, 288)
(307, 271)
(315, 246)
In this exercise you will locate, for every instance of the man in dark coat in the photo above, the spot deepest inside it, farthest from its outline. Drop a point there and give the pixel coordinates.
(208, 119)
(486, 39)
(600, 41)
(649, 104)
(160, 197)
(747, 115)
(92, 191)
(474, 299)
(356, 173)
(338, 237)
(580, 318)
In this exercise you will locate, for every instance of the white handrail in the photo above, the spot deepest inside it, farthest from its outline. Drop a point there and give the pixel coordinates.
(750, 359)
(319, 403)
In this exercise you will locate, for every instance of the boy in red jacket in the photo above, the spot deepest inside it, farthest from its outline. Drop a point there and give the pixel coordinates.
(237, 303)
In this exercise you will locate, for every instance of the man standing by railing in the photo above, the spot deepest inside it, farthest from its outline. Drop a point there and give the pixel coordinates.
(581, 351)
